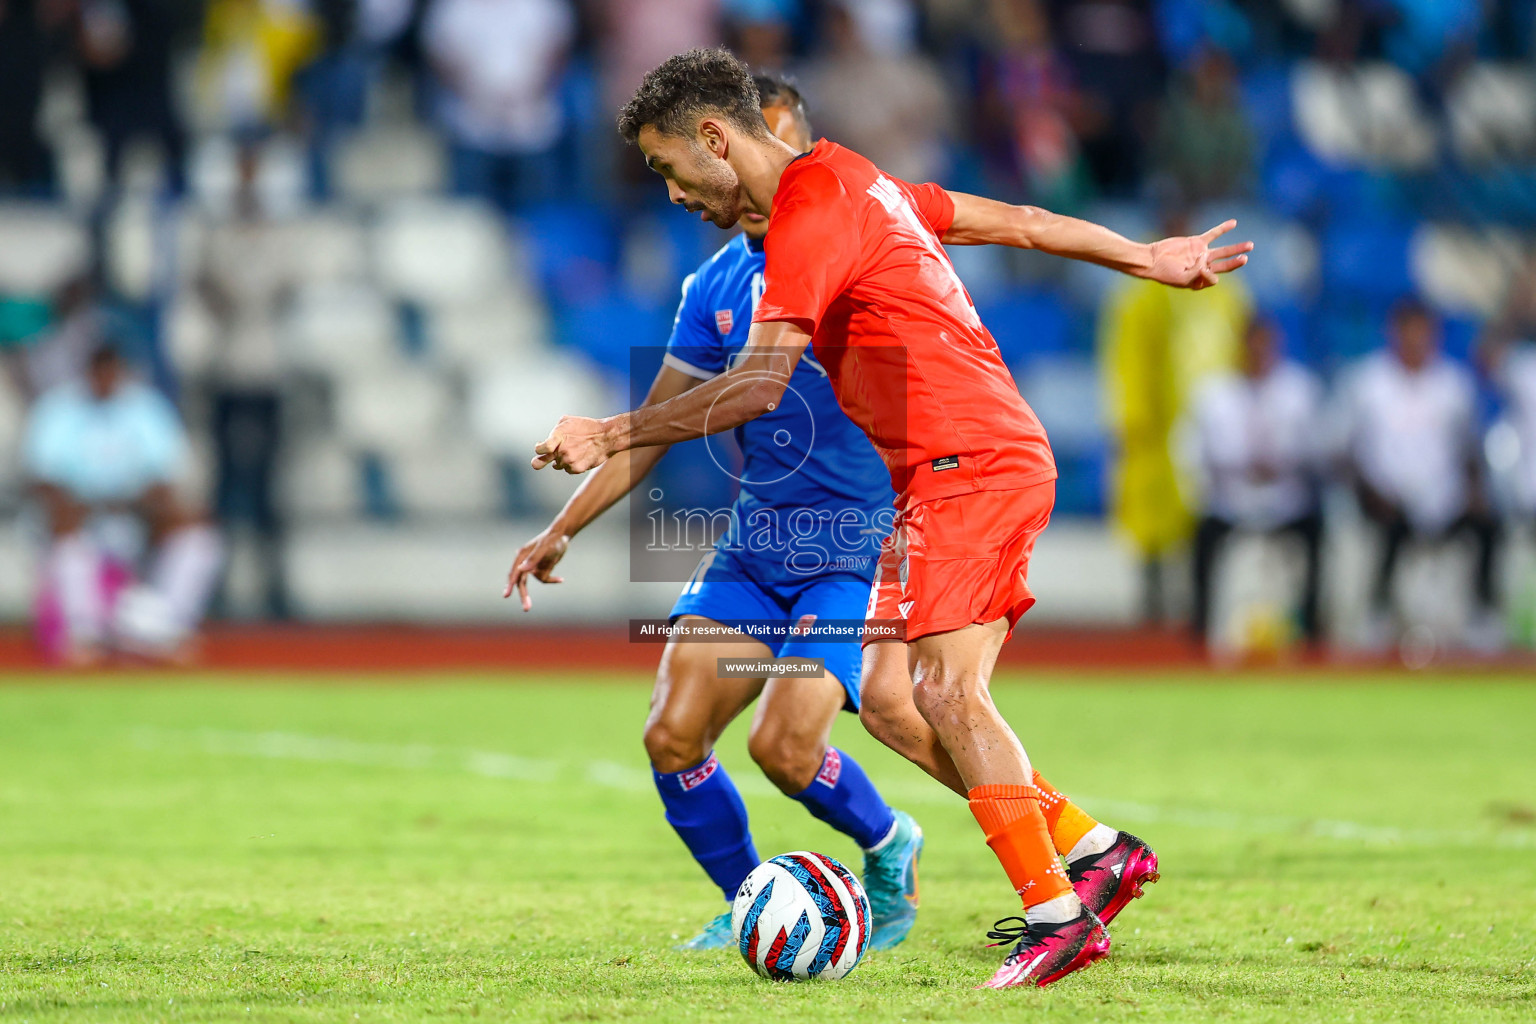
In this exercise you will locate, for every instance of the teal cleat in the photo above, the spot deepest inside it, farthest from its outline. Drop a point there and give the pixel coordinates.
(890, 880)
(716, 935)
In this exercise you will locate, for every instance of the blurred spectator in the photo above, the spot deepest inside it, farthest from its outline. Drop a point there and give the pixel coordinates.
(1507, 355)
(759, 31)
(26, 165)
(1204, 148)
(246, 280)
(251, 51)
(125, 51)
(1256, 438)
(875, 96)
(1027, 108)
(637, 35)
(498, 65)
(1113, 49)
(97, 451)
(78, 328)
(1156, 346)
(1412, 445)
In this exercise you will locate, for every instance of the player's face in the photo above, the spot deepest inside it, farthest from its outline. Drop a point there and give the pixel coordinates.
(698, 177)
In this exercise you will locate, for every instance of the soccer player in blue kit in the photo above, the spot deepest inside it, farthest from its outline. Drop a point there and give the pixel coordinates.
(811, 478)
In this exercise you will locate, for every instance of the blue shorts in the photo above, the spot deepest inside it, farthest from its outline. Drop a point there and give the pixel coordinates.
(728, 592)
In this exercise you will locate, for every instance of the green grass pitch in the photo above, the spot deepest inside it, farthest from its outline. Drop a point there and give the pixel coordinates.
(450, 848)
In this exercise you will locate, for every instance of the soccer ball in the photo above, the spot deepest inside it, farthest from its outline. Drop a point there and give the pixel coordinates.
(801, 915)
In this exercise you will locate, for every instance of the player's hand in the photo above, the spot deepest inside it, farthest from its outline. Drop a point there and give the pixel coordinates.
(1190, 262)
(537, 559)
(577, 444)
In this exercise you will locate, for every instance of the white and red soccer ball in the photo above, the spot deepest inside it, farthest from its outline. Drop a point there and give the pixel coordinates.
(801, 915)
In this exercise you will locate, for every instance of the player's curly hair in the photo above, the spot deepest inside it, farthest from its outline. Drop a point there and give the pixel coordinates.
(683, 89)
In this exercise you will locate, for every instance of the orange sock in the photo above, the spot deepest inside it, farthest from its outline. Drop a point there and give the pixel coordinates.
(1067, 821)
(1015, 829)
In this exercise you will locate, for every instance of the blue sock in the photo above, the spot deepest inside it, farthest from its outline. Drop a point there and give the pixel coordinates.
(842, 796)
(707, 813)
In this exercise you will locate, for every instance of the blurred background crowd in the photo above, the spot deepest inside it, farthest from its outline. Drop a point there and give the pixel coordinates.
(276, 275)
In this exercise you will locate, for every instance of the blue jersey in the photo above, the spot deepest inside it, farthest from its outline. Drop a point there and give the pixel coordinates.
(815, 497)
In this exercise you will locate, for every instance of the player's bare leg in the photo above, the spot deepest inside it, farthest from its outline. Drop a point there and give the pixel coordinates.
(790, 742)
(951, 673)
(888, 714)
(690, 707)
(1107, 868)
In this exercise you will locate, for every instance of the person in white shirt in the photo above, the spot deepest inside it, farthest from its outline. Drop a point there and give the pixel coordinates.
(97, 451)
(1412, 449)
(1256, 435)
(497, 65)
(1507, 354)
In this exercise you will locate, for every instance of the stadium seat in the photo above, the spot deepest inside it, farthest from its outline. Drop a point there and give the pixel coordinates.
(12, 424)
(1028, 324)
(454, 478)
(1365, 114)
(1491, 111)
(189, 334)
(513, 404)
(572, 250)
(43, 248)
(1065, 392)
(391, 410)
(329, 246)
(508, 323)
(1462, 270)
(440, 251)
(340, 328)
(385, 163)
(319, 479)
(1367, 257)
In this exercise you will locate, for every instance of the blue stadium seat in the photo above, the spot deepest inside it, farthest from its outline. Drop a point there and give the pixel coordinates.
(1028, 324)
(1367, 258)
(573, 249)
(606, 325)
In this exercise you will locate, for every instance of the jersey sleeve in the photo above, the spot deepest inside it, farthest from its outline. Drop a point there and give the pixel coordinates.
(933, 204)
(694, 347)
(812, 250)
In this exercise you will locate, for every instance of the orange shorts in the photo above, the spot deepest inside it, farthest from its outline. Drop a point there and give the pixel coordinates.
(951, 562)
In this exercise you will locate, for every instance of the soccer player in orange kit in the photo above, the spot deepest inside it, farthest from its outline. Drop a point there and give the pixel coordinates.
(855, 267)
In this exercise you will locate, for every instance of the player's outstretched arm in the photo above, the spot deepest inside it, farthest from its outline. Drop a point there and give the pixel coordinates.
(596, 495)
(1185, 262)
(753, 386)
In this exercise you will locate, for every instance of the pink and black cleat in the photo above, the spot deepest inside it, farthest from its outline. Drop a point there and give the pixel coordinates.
(1045, 952)
(1107, 881)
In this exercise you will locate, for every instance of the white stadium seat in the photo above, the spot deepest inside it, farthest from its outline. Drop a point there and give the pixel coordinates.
(342, 328)
(320, 479)
(513, 404)
(382, 163)
(510, 324)
(406, 408)
(1461, 270)
(440, 251)
(454, 478)
(1492, 113)
(1365, 114)
(328, 247)
(43, 248)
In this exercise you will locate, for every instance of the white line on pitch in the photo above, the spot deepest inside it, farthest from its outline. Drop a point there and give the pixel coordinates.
(287, 746)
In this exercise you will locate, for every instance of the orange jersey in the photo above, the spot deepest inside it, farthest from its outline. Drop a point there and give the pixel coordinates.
(853, 258)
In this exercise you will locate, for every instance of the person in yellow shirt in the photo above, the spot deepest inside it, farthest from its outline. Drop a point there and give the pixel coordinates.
(1155, 346)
